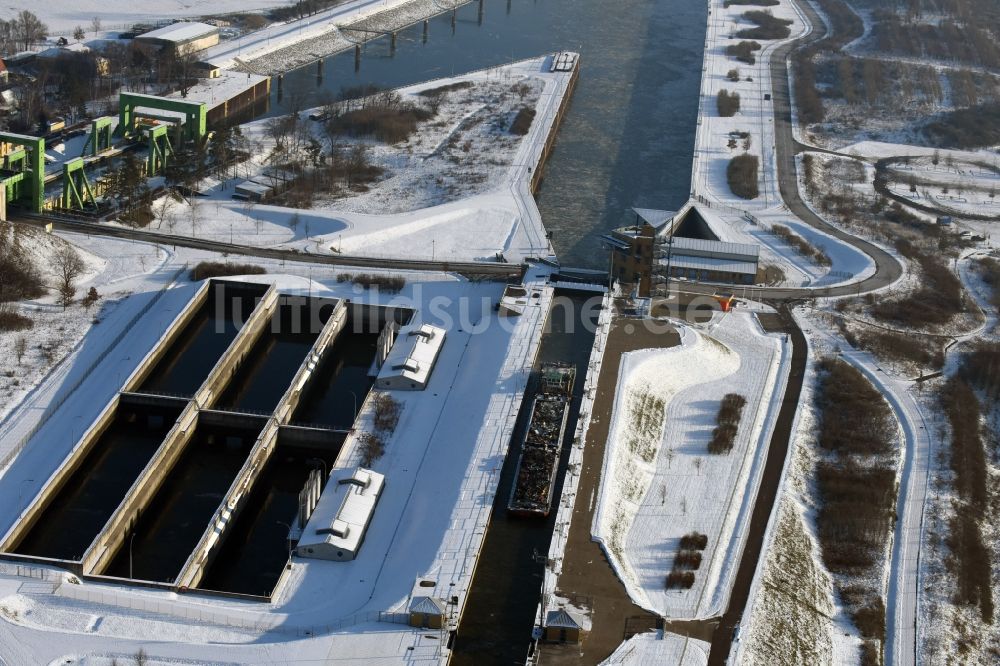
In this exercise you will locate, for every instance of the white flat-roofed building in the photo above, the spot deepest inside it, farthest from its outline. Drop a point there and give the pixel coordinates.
(411, 359)
(709, 260)
(337, 527)
(182, 38)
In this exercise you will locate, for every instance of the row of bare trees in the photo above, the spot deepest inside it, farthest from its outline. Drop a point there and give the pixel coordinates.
(21, 32)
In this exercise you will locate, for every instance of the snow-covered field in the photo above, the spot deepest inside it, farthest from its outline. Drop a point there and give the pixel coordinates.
(659, 481)
(62, 16)
(457, 189)
(433, 460)
(113, 267)
(659, 649)
(751, 131)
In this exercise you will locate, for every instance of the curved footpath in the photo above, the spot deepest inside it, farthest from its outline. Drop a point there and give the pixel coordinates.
(901, 635)
(887, 268)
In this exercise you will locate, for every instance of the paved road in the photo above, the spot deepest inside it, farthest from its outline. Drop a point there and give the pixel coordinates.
(887, 271)
(904, 565)
(468, 268)
(887, 268)
(770, 484)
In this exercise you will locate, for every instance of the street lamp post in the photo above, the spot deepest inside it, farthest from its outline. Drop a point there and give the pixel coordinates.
(20, 495)
(288, 538)
(355, 413)
(130, 540)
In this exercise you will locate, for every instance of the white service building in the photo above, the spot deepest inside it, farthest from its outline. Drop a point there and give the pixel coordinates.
(411, 360)
(337, 527)
(182, 38)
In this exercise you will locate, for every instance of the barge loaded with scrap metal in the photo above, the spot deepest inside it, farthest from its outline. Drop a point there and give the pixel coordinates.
(534, 480)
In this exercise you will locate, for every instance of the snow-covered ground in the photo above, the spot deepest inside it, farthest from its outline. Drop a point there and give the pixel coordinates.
(719, 139)
(659, 482)
(659, 649)
(115, 268)
(63, 16)
(430, 522)
(441, 196)
(286, 45)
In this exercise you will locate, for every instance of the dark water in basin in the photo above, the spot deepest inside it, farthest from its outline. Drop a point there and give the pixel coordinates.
(628, 137)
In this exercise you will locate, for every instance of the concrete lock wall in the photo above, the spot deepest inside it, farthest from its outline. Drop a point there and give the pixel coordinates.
(180, 322)
(217, 380)
(58, 479)
(232, 504)
(111, 538)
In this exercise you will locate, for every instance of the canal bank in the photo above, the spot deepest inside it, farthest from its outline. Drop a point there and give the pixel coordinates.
(627, 138)
(496, 624)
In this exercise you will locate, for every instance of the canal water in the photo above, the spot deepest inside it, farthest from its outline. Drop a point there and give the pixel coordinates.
(341, 382)
(269, 367)
(501, 610)
(629, 134)
(167, 532)
(254, 554)
(183, 367)
(80, 509)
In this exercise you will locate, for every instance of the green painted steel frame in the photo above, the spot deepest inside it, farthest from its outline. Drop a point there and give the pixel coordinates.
(30, 159)
(195, 113)
(76, 188)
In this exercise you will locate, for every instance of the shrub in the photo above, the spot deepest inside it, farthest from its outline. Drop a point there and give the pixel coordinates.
(870, 620)
(522, 121)
(680, 580)
(731, 408)
(91, 297)
(975, 127)
(387, 411)
(445, 89)
(742, 176)
(939, 297)
(694, 541)
(854, 417)
(892, 346)
(19, 277)
(744, 51)
(722, 440)
(854, 515)
(687, 559)
(801, 245)
(382, 117)
(728, 103)
(11, 320)
(733, 75)
(768, 26)
(372, 448)
(392, 284)
(214, 269)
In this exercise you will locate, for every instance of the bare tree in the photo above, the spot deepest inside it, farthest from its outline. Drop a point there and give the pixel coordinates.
(67, 266)
(28, 30)
(20, 347)
(79, 34)
(95, 25)
(194, 213)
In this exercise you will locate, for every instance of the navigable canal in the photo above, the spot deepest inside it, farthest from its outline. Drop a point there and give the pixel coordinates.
(629, 134)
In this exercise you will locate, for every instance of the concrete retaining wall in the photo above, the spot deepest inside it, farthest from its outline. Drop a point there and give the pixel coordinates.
(180, 322)
(232, 504)
(111, 538)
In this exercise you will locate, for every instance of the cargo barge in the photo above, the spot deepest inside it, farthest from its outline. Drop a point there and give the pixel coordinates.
(534, 479)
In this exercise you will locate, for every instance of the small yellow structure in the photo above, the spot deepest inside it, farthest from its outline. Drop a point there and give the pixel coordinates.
(428, 612)
(562, 627)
